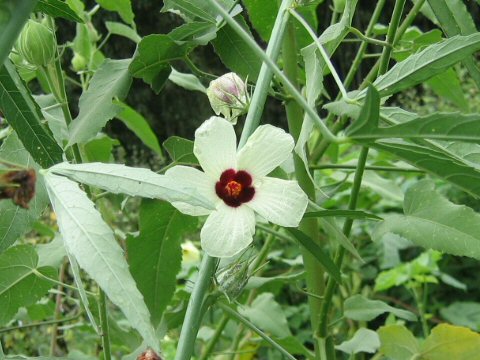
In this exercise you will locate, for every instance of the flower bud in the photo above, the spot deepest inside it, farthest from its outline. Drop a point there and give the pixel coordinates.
(37, 44)
(228, 96)
(79, 63)
(232, 280)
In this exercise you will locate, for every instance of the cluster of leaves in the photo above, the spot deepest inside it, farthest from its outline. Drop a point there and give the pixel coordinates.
(92, 245)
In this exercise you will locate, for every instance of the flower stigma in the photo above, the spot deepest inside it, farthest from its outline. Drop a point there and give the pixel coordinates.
(235, 187)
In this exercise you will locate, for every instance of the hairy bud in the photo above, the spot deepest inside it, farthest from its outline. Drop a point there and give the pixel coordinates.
(233, 279)
(37, 44)
(228, 96)
(149, 354)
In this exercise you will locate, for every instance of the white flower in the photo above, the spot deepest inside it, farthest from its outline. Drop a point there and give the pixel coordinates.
(237, 185)
(228, 96)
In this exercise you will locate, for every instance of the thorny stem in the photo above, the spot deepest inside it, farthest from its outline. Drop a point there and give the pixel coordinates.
(193, 316)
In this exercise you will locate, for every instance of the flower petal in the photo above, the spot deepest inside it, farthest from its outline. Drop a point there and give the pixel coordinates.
(216, 146)
(228, 230)
(281, 202)
(193, 178)
(266, 148)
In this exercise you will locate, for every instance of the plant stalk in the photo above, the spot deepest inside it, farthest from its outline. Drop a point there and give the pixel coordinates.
(104, 326)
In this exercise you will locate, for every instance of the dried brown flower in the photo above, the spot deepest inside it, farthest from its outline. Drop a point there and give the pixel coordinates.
(18, 185)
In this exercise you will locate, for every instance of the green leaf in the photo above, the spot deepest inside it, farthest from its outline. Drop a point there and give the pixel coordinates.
(187, 81)
(369, 114)
(338, 31)
(195, 33)
(139, 125)
(58, 8)
(22, 114)
(336, 233)
(120, 29)
(352, 214)
(447, 85)
(152, 58)
(122, 7)
(92, 243)
(364, 340)
(262, 15)
(21, 286)
(444, 162)
(191, 10)
(180, 150)
(54, 116)
(235, 53)
(319, 254)
(51, 254)
(397, 343)
(155, 255)
(360, 308)
(455, 19)
(447, 342)
(13, 15)
(432, 221)
(427, 63)
(96, 107)
(121, 179)
(463, 313)
(100, 149)
(15, 221)
(267, 315)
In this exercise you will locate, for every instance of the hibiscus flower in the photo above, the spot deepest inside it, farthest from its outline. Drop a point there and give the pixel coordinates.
(237, 185)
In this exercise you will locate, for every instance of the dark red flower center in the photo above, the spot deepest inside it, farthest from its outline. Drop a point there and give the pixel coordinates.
(235, 187)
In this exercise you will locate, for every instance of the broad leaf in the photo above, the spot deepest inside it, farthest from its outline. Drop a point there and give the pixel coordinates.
(180, 150)
(463, 313)
(235, 53)
(186, 81)
(111, 80)
(20, 285)
(317, 252)
(14, 14)
(421, 66)
(151, 61)
(397, 343)
(447, 342)
(93, 245)
(432, 221)
(359, 308)
(15, 221)
(139, 125)
(267, 314)
(155, 255)
(54, 116)
(57, 8)
(23, 115)
(122, 7)
(121, 179)
(195, 33)
(364, 340)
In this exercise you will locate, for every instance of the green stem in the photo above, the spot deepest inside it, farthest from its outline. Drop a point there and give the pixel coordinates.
(214, 339)
(265, 75)
(58, 311)
(421, 312)
(352, 205)
(320, 149)
(234, 314)
(368, 167)
(104, 326)
(192, 320)
(365, 38)
(41, 323)
(392, 30)
(257, 50)
(295, 115)
(207, 268)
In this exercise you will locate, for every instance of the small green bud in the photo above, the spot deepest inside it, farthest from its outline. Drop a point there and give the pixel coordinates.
(228, 96)
(37, 44)
(232, 280)
(79, 63)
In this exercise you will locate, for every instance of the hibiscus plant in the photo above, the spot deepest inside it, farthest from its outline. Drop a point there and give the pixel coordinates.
(257, 238)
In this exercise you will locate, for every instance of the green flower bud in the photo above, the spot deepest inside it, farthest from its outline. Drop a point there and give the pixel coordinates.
(79, 63)
(228, 96)
(232, 280)
(37, 44)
